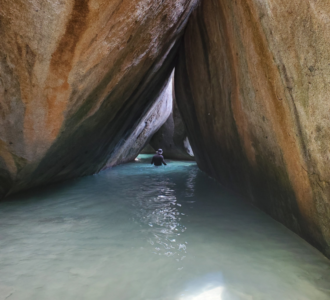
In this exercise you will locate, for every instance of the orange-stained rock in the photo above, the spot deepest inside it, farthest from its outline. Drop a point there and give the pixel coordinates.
(252, 83)
(76, 77)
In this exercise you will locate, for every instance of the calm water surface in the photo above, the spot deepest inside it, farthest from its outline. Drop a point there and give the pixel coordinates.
(138, 232)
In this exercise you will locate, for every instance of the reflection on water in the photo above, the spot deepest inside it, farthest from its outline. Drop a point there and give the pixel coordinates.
(209, 286)
(138, 232)
(190, 184)
(156, 206)
(213, 294)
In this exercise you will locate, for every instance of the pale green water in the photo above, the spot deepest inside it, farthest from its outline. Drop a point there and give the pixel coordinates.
(138, 232)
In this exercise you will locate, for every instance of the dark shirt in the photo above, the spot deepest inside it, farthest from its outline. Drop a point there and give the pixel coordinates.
(158, 160)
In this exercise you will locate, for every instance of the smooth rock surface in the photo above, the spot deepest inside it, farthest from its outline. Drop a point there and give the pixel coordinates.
(253, 82)
(76, 77)
(131, 146)
(172, 137)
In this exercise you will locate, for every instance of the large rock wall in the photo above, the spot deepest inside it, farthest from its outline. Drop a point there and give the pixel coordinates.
(76, 77)
(253, 82)
(172, 137)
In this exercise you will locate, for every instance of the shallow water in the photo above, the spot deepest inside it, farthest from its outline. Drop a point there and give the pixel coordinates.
(138, 232)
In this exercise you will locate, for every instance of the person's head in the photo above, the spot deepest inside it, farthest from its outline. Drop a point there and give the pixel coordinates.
(160, 151)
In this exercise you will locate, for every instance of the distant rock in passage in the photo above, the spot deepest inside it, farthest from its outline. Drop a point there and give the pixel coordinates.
(172, 137)
(150, 123)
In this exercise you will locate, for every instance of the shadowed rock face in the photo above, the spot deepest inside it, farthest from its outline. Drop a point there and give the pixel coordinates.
(252, 83)
(157, 115)
(172, 137)
(148, 150)
(76, 77)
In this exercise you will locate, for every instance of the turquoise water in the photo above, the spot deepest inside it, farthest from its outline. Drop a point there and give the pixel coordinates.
(139, 232)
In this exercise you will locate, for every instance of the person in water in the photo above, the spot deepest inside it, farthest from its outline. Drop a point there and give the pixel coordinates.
(158, 159)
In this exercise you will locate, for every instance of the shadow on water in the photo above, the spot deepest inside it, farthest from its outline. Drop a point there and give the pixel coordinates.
(139, 232)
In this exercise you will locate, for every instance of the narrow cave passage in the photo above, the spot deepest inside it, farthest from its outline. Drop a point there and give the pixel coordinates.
(239, 86)
(141, 232)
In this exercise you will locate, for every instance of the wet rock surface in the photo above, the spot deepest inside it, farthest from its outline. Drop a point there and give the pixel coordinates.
(252, 81)
(76, 78)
